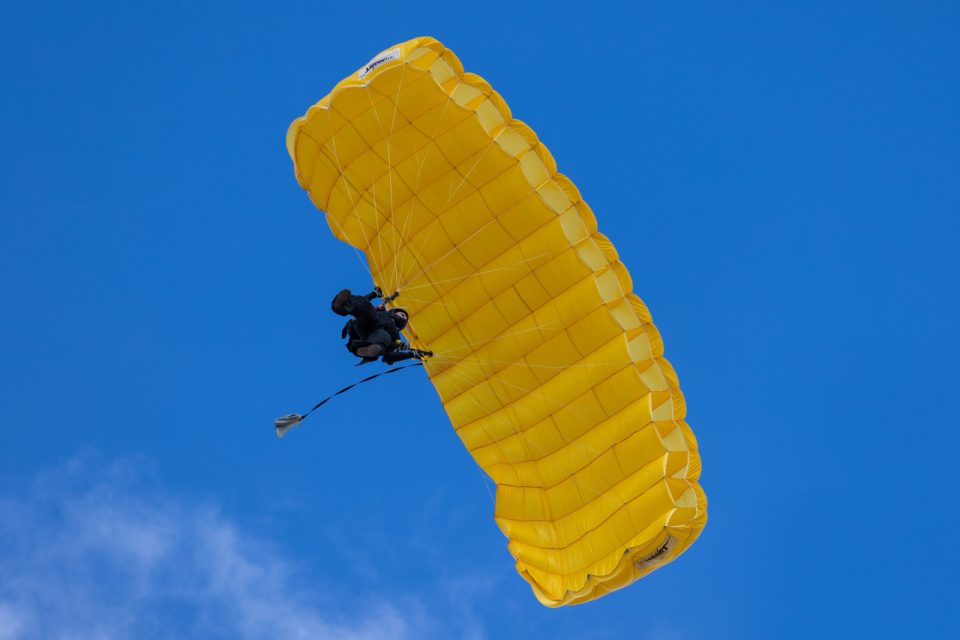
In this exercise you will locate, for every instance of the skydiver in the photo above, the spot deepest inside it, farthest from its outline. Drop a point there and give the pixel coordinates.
(372, 331)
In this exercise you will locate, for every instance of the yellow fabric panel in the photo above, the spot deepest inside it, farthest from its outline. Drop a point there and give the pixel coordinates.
(549, 367)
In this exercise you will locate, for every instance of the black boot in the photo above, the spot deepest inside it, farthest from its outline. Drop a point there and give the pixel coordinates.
(370, 351)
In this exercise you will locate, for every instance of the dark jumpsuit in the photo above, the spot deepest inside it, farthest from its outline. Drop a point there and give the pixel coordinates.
(370, 325)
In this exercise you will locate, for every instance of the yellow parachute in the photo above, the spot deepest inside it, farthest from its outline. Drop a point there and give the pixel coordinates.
(549, 367)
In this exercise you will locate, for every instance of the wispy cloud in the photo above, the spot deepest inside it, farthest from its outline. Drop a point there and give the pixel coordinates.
(94, 551)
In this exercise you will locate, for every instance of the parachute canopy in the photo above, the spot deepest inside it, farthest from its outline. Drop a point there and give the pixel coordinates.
(549, 367)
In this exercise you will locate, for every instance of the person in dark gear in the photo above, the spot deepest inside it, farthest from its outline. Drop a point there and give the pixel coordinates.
(372, 331)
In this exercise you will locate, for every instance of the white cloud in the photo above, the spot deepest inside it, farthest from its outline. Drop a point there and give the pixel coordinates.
(93, 551)
(13, 621)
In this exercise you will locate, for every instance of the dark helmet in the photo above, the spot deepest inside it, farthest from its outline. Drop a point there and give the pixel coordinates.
(400, 317)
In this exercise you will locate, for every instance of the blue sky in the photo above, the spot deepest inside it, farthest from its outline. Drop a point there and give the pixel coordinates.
(781, 180)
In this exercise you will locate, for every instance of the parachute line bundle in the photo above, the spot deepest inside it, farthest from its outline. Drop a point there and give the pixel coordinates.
(549, 366)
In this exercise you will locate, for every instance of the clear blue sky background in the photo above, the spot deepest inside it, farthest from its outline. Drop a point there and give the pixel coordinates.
(780, 178)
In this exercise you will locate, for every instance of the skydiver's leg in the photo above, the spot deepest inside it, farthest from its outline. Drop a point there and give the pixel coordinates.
(341, 304)
(398, 355)
(345, 303)
(378, 341)
(405, 353)
(362, 309)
